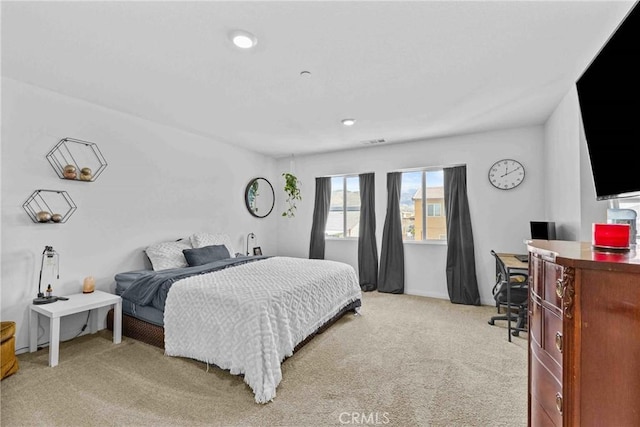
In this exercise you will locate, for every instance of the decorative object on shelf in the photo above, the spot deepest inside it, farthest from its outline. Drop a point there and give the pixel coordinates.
(69, 172)
(72, 155)
(49, 206)
(85, 174)
(252, 237)
(50, 258)
(257, 250)
(259, 197)
(292, 189)
(506, 174)
(44, 216)
(88, 285)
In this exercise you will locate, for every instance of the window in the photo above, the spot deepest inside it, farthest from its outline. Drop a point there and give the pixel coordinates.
(344, 209)
(434, 209)
(632, 203)
(422, 191)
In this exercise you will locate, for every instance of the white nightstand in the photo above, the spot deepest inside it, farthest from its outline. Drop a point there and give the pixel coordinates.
(77, 303)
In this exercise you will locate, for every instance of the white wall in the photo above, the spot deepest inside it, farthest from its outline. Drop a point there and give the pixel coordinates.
(500, 218)
(163, 183)
(160, 184)
(571, 200)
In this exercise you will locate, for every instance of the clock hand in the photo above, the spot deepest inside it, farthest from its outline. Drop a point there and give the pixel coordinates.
(510, 172)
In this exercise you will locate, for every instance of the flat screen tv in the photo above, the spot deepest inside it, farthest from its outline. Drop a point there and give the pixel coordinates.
(609, 97)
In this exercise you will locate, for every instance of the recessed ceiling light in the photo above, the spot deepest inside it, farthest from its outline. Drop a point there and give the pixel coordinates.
(349, 122)
(243, 39)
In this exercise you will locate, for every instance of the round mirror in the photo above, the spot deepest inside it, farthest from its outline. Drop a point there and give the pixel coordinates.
(259, 197)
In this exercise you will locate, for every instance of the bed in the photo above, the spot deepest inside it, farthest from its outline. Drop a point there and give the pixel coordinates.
(243, 314)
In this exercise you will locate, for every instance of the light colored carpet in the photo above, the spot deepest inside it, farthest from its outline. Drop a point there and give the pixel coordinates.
(406, 361)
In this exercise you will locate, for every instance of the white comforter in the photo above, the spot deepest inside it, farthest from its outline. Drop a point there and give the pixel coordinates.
(249, 318)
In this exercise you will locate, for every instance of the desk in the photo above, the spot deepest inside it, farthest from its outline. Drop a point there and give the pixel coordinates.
(512, 265)
(77, 303)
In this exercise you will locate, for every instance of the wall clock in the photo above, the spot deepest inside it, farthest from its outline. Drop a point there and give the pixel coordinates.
(506, 174)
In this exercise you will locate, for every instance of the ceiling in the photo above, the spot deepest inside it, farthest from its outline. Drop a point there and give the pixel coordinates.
(405, 70)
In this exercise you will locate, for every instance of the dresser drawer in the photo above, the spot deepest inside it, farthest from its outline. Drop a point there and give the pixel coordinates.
(535, 275)
(553, 284)
(546, 389)
(553, 339)
(539, 417)
(535, 321)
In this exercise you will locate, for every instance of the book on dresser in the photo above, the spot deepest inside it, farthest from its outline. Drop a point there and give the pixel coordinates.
(584, 339)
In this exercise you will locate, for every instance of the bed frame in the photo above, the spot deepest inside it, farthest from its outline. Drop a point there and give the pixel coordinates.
(154, 334)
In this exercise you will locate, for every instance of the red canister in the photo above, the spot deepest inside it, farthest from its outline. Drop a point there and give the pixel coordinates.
(611, 236)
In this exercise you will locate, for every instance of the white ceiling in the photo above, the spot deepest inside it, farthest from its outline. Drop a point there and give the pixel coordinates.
(404, 70)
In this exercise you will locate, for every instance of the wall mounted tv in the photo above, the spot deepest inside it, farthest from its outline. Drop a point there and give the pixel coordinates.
(609, 97)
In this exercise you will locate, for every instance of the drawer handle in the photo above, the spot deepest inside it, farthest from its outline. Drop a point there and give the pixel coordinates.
(559, 341)
(559, 402)
(559, 290)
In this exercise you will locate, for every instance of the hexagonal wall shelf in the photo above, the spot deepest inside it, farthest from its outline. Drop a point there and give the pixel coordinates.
(77, 160)
(49, 206)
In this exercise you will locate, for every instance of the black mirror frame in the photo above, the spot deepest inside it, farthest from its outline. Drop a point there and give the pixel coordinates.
(246, 197)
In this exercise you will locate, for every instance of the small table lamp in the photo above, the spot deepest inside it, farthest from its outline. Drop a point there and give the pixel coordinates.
(249, 236)
(89, 285)
(48, 253)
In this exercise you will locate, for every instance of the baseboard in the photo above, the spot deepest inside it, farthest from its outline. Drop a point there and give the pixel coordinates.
(428, 294)
(442, 296)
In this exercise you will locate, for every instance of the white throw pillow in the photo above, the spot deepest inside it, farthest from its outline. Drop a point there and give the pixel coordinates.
(200, 240)
(166, 255)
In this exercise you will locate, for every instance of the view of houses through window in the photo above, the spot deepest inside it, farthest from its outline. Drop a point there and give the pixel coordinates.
(344, 210)
(422, 205)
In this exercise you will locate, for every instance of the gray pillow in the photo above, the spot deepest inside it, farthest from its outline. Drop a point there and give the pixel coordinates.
(205, 254)
(200, 240)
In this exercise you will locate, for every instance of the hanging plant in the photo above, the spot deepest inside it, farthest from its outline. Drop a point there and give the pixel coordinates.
(291, 187)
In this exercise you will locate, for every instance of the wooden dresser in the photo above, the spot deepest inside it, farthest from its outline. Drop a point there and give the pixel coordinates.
(584, 336)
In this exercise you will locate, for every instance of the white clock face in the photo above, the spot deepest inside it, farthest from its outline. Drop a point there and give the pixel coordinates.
(506, 174)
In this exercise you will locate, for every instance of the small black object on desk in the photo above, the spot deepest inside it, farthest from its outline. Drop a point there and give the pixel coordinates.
(522, 258)
(45, 300)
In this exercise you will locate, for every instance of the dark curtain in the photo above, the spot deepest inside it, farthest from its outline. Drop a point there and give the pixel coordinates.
(462, 283)
(391, 279)
(367, 248)
(320, 215)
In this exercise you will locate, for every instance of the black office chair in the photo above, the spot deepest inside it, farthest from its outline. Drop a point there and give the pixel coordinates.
(517, 309)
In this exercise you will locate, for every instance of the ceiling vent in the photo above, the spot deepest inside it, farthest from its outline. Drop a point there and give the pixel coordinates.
(374, 141)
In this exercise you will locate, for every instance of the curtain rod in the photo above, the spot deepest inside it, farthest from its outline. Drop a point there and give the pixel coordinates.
(399, 170)
(344, 174)
(429, 167)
